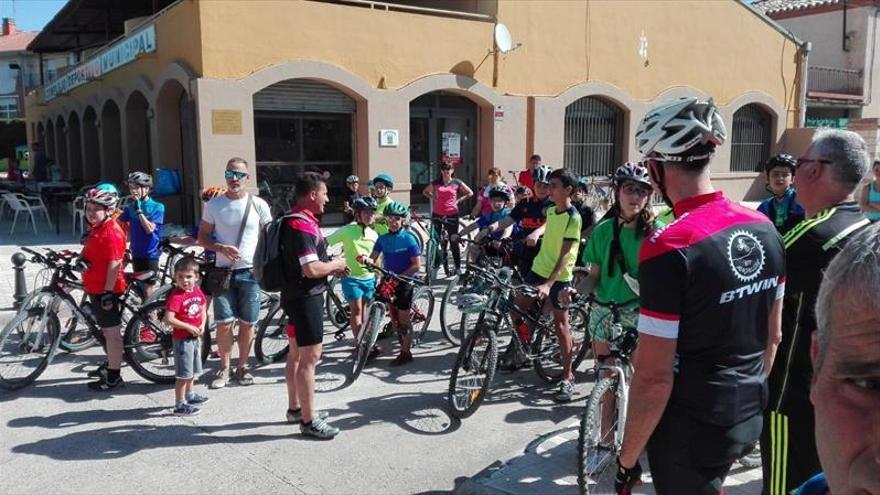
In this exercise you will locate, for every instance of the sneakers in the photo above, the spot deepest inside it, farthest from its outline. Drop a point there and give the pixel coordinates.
(375, 352)
(195, 398)
(402, 358)
(98, 372)
(386, 332)
(319, 429)
(221, 379)
(244, 377)
(297, 416)
(566, 391)
(186, 409)
(105, 383)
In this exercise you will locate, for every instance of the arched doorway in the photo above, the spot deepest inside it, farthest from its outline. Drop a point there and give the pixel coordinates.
(49, 148)
(750, 140)
(74, 148)
(300, 124)
(442, 126)
(61, 158)
(111, 135)
(91, 147)
(137, 133)
(593, 136)
(177, 151)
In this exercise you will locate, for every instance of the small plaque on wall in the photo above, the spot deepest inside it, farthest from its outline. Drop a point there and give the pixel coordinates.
(389, 138)
(226, 121)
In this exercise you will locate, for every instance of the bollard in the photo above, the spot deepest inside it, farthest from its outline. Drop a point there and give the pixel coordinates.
(18, 261)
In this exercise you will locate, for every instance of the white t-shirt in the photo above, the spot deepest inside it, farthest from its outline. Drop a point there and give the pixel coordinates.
(225, 215)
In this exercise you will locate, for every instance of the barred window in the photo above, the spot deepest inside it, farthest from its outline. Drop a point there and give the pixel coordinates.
(750, 142)
(593, 136)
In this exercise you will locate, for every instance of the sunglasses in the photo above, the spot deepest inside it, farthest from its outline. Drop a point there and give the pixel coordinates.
(232, 174)
(636, 190)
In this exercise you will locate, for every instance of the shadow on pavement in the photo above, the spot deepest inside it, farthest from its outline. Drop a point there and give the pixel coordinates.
(420, 413)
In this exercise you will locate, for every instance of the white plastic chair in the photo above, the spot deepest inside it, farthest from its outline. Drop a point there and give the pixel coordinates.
(19, 206)
(78, 213)
(35, 203)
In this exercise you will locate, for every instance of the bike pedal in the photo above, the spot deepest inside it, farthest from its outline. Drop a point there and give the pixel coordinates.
(339, 335)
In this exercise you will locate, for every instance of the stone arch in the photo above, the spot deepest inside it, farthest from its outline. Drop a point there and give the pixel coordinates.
(74, 147)
(137, 133)
(62, 159)
(91, 146)
(174, 112)
(111, 143)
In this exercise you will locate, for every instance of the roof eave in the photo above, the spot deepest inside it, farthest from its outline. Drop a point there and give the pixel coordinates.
(775, 25)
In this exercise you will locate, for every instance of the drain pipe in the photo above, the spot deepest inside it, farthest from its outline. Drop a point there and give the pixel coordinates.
(804, 63)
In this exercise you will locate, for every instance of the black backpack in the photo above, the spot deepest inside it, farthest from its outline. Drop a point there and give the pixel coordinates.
(268, 259)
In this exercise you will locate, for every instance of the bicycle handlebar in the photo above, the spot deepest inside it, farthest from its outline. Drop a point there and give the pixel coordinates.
(403, 278)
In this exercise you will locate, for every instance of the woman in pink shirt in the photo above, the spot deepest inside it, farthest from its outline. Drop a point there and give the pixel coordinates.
(446, 193)
(484, 205)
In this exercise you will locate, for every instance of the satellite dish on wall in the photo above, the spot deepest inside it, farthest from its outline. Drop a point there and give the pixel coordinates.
(503, 39)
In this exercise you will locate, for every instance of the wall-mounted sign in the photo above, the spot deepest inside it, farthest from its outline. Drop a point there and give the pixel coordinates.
(389, 138)
(226, 121)
(111, 58)
(450, 148)
(499, 113)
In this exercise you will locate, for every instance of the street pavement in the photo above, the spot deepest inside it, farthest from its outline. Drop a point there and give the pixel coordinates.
(56, 436)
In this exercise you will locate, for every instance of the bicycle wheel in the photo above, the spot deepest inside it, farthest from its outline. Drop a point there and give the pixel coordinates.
(472, 372)
(597, 450)
(421, 313)
(547, 353)
(148, 346)
(75, 332)
(28, 343)
(450, 315)
(334, 304)
(366, 339)
(271, 344)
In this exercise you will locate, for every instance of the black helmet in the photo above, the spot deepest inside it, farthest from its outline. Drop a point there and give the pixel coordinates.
(780, 160)
(541, 174)
(364, 203)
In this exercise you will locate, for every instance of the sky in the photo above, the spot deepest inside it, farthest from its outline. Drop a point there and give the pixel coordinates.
(30, 15)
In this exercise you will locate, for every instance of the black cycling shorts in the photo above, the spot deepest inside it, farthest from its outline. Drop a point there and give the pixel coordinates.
(693, 457)
(403, 296)
(305, 319)
(105, 318)
(534, 279)
(139, 265)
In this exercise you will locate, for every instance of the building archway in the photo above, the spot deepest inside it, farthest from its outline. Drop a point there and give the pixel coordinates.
(304, 124)
(751, 138)
(111, 144)
(91, 146)
(74, 148)
(62, 160)
(594, 135)
(49, 148)
(137, 133)
(443, 126)
(176, 123)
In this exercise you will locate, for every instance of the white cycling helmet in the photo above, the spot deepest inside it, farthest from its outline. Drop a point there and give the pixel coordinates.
(672, 131)
(541, 174)
(103, 196)
(140, 179)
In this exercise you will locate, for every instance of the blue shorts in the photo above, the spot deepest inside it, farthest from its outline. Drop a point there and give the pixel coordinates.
(187, 358)
(241, 301)
(357, 288)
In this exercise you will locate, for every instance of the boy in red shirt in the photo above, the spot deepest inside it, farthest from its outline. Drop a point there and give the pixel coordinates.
(185, 312)
(103, 253)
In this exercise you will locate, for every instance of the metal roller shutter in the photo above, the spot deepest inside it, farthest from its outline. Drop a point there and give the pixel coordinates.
(301, 95)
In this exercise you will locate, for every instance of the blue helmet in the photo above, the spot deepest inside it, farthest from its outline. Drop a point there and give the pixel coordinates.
(385, 179)
(108, 187)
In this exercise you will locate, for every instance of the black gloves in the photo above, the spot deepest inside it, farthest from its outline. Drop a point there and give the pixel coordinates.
(627, 478)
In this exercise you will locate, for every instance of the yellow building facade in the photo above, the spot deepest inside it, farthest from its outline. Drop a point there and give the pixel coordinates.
(357, 87)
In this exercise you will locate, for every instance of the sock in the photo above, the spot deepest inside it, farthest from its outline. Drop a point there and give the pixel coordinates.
(112, 375)
(307, 424)
(294, 411)
(178, 404)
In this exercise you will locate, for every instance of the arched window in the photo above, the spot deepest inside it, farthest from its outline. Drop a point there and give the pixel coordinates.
(593, 136)
(750, 140)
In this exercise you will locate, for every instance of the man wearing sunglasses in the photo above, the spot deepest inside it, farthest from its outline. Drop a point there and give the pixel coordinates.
(710, 287)
(826, 179)
(231, 227)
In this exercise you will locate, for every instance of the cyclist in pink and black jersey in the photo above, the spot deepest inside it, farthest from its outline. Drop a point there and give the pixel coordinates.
(447, 193)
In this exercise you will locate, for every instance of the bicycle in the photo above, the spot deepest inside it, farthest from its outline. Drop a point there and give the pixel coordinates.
(338, 311)
(471, 280)
(477, 358)
(599, 194)
(437, 237)
(34, 333)
(420, 316)
(598, 446)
